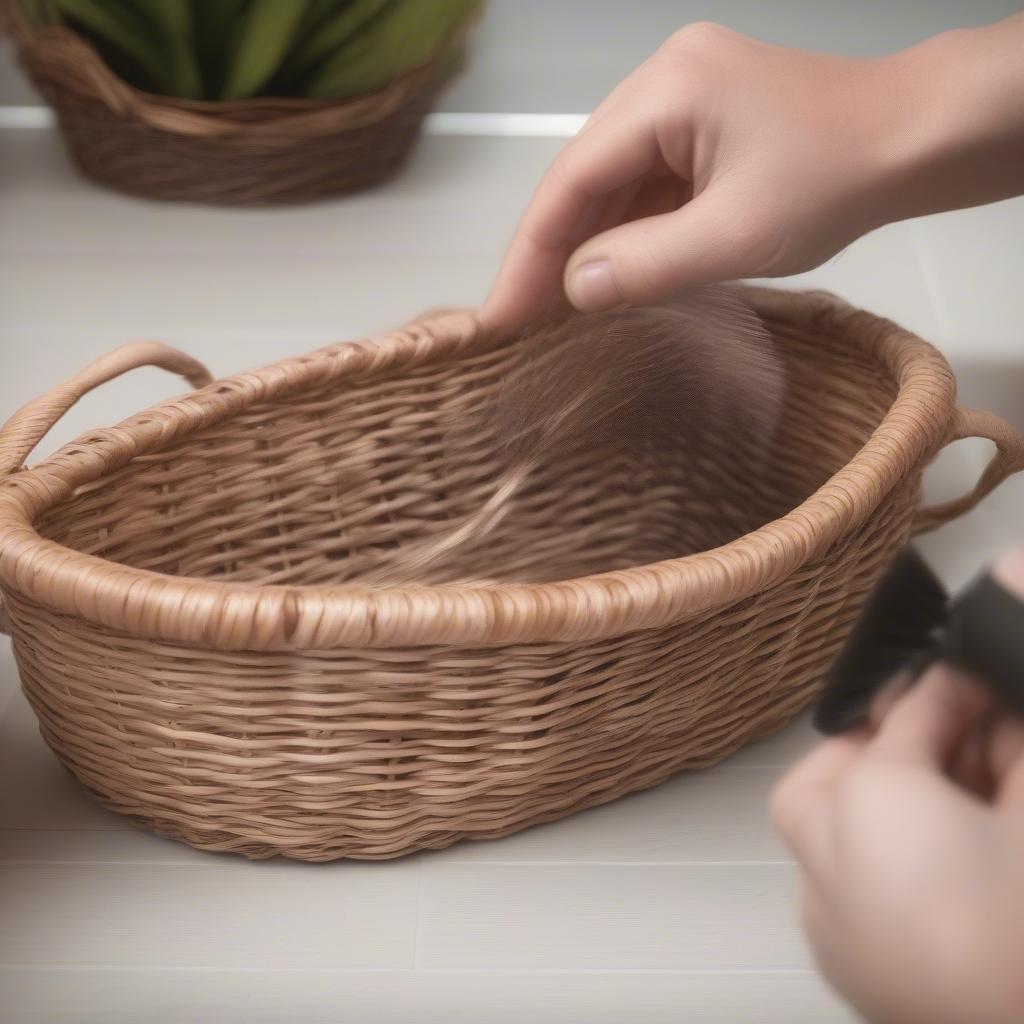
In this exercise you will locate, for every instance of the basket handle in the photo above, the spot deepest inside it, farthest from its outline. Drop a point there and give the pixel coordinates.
(30, 424)
(1008, 459)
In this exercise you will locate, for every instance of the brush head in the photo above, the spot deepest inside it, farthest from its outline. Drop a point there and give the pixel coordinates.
(984, 636)
(653, 376)
(663, 387)
(895, 631)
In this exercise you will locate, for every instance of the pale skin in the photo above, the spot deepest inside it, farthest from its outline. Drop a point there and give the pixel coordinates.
(909, 836)
(721, 158)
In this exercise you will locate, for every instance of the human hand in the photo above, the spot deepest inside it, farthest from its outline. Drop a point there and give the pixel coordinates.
(910, 840)
(722, 157)
(719, 157)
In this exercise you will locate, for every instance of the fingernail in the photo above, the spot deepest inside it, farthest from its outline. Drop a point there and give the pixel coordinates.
(592, 286)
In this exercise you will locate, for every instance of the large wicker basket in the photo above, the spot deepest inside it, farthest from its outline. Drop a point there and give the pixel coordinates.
(241, 152)
(183, 589)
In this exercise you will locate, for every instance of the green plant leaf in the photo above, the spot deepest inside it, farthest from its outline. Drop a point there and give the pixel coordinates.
(317, 11)
(122, 30)
(331, 34)
(265, 34)
(172, 22)
(405, 35)
(42, 12)
(214, 21)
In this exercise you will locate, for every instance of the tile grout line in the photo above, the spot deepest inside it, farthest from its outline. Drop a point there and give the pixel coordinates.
(418, 930)
(200, 969)
(576, 864)
(346, 971)
(85, 830)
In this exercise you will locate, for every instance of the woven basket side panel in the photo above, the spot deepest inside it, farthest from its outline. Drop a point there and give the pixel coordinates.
(339, 481)
(375, 753)
(371, 754)
(139, 159)
(324, 488)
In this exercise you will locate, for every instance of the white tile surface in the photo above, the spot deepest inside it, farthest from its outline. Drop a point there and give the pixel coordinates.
(476, 188)
(275, 915)
(610, 917)
(51, 996)
(671, 905)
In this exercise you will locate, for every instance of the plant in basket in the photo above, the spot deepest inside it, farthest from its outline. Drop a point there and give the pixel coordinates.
(240, 101)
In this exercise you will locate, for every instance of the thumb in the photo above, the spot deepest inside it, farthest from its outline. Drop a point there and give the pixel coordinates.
(930, 723)
(648, 259)
(1006, 760)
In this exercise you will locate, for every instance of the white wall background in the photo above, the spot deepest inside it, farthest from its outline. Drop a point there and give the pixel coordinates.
(565, 55)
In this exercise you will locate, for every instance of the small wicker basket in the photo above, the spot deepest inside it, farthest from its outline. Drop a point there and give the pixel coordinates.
(243, 152)
(183, 589)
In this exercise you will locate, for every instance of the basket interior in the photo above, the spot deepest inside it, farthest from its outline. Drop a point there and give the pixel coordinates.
(336, 482)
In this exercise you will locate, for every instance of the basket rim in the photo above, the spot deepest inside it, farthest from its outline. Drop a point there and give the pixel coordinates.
(86, 75)
(249, 616)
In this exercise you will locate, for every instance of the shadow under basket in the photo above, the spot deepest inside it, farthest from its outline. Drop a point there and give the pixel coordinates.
(183, 590)
(242, 152)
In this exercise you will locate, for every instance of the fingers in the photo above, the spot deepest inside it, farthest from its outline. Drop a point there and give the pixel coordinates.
(1005, 741)
(610, 154)
(970, 766)
(931, 722)
(798, 798)
(948, 722)
(1005, 751)
(702, 241)
(887, 698)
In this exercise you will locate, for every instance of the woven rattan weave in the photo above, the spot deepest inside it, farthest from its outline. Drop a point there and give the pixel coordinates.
(254, 151)
(183, 589)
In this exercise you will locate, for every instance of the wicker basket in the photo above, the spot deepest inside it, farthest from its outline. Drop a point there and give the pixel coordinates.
(176, 587)
(241, 152)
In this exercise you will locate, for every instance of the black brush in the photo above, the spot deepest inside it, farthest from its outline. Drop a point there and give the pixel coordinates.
(897, 624)
(910, 623)
(984, 635)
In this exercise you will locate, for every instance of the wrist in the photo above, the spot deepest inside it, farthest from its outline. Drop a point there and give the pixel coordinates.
(954, 121)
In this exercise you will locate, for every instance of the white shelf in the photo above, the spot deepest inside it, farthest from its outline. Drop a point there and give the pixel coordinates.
(671, 905)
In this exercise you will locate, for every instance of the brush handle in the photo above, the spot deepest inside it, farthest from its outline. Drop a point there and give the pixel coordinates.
(30, 424)
(1008, 459)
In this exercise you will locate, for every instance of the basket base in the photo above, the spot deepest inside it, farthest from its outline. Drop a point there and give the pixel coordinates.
(366, 846)
(137, 160)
